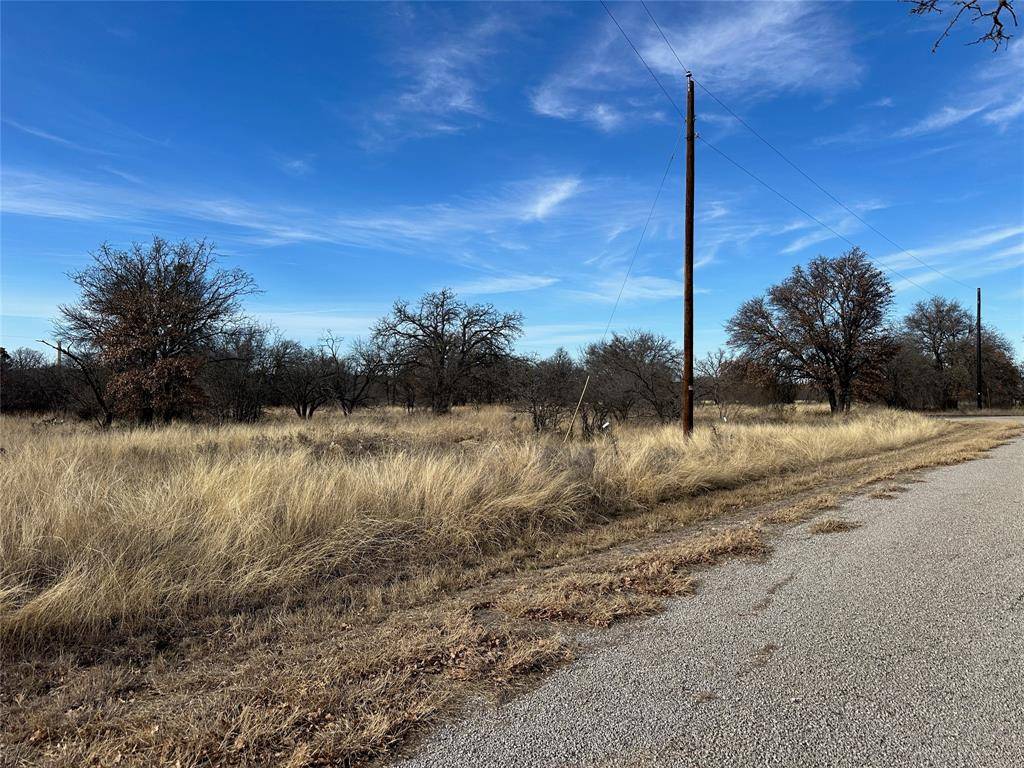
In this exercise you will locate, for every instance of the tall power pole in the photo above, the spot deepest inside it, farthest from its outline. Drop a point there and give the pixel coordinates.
(977, 350)
(688, 267)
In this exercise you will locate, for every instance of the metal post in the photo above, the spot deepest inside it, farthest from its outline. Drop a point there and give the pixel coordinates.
(688, 267)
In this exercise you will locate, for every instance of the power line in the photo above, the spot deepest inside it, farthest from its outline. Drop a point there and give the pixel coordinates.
(643, 233)
(622, 287)
(640, 56)
(806, 213)
(793, 165)
(740, 167)
(665, 38)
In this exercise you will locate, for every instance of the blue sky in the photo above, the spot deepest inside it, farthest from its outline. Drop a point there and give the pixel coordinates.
(350, 154)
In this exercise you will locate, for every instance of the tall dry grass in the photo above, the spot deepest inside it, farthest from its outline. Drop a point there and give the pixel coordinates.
(129, 528)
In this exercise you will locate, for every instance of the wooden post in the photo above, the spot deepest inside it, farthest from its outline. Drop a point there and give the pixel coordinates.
(977, 349)
(688, 267)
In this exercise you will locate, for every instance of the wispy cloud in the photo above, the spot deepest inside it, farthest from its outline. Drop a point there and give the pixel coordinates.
(504, 284)
(476, 229)
(637, 288)
(1003, 115)
(757, 50)
(953, 248)
(310, 324)
(51, 137)
(992, 98)
(130, 177)
(551, 197)
(966, 256)
(838, 220)
(945, 117)
(442, 87)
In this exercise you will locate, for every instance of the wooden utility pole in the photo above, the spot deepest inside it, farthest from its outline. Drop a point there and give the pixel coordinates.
(977, 350)
(688, 267)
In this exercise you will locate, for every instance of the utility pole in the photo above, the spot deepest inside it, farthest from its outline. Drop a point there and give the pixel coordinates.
(60, 354)
(977, 349)
(688, 267)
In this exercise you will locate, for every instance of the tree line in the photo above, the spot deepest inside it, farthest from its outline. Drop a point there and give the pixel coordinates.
(159, 333)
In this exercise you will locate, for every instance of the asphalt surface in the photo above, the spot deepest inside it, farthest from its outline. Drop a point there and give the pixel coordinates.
(900, 643)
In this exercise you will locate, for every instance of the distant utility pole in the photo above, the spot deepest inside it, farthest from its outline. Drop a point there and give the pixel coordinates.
(977, 350)
(688, 267)
(59, 348)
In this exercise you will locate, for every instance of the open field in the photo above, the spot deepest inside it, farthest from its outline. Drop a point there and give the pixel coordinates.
(310, 593)
(102, 532)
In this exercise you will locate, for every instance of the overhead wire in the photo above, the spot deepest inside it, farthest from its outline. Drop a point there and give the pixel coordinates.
(643, 233)
(741, 167)
(792, 164)
(629, 269)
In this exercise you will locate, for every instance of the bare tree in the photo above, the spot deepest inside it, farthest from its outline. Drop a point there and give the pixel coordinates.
(825, 324)
(550, 390)
(301, 375)
(351, 375)
(444, 340)
(236, 380)
(149, 314)
(645, 367)
(29, 382)
(936, 328)
(996, 14)
(718, 379)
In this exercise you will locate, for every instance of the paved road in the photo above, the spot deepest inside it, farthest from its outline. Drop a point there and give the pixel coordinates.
(898, 644)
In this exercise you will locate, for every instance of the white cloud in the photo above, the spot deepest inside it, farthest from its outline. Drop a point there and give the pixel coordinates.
(442, 87)
(939, 120)
(993, 98)
(52, 138)
(961, 257)
(949, 248)
(756, 50)
(1003, 115)
(308, 325)
(130, 177)
(505, 284)
(550, 198)
(637, 288)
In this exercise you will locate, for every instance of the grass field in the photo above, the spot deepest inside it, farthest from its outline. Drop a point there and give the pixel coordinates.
(343, 571)
(109, 532)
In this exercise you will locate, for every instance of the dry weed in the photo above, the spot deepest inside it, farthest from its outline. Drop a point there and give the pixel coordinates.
(632, 587)
(833, 525)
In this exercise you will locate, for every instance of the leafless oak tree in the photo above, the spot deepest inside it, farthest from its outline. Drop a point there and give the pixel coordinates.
(719, 377)
(444, 340)
(637, 369)
(937, 328)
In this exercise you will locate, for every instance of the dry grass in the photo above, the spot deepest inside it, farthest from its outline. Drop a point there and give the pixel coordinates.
(340, 659)
(632, 587)
(104, 532)
(833, 525)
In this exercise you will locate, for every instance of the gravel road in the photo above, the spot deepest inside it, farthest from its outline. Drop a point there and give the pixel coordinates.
(899, 643)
